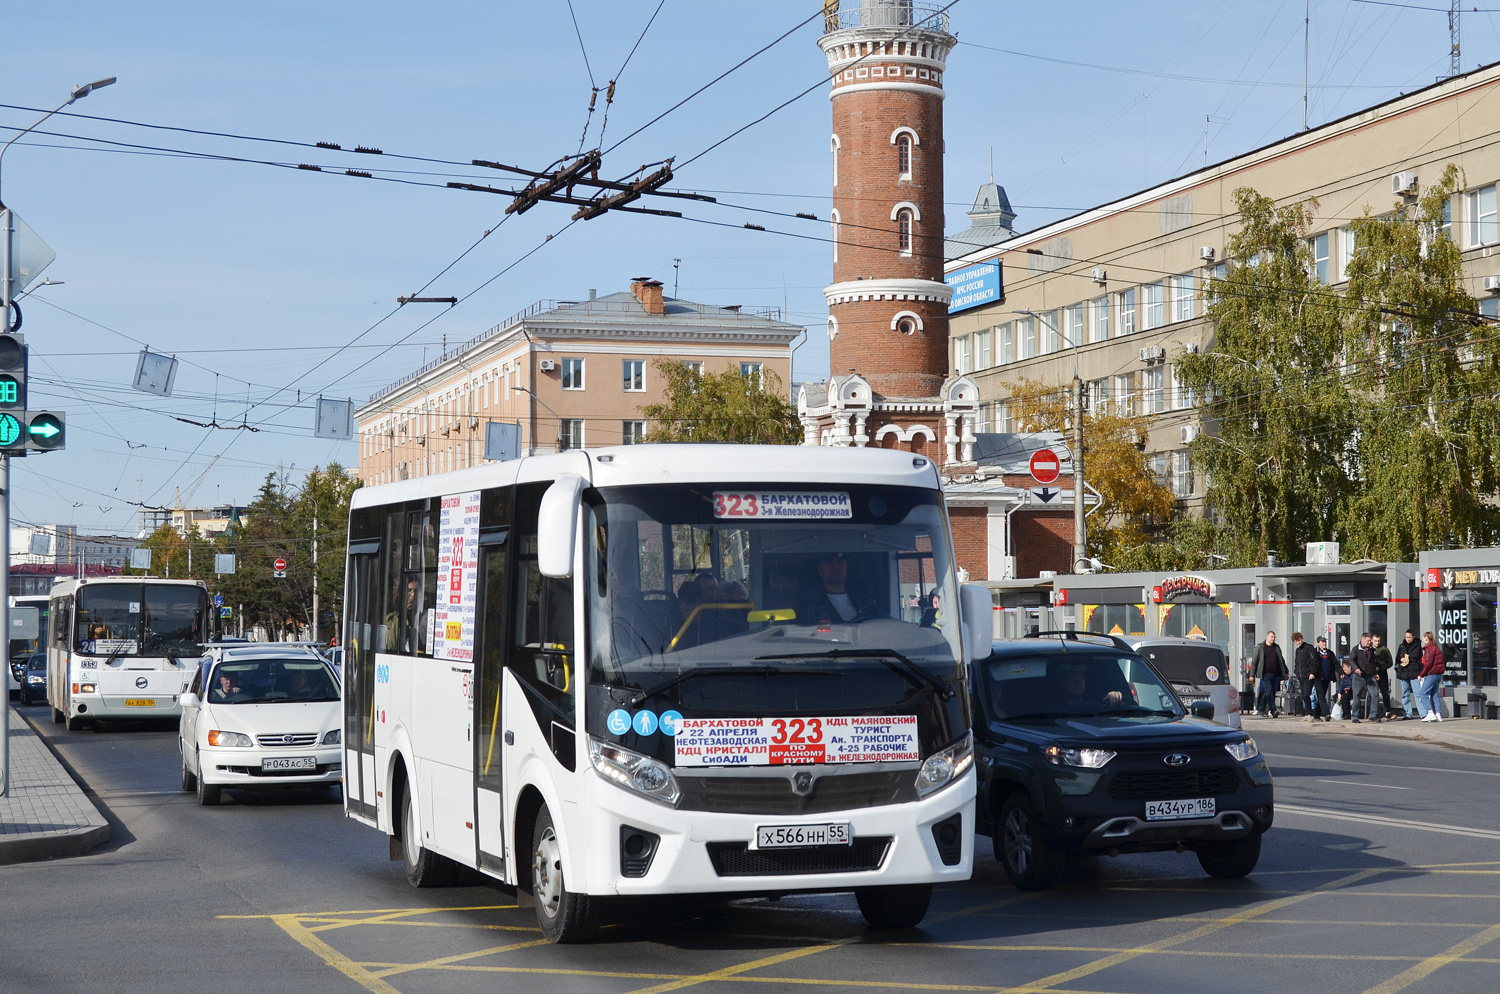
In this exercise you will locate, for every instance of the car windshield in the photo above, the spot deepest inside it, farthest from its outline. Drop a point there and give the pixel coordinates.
(36, 661)
(1074, 684)
(140, 619)
(271, 679)
(722, 580)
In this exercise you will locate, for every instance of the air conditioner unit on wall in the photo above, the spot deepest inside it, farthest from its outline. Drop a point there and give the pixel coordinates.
(1492, 284)
(1190, 348)
(1099, 275)
(547, 365)
(1206, 253)
(1403, 183)
(1189, 433)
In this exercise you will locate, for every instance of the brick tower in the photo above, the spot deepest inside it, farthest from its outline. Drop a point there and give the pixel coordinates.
(888, 305)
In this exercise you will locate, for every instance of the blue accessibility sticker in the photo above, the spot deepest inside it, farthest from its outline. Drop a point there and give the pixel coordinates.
(671, 722)
(618, 721)
(645, 722)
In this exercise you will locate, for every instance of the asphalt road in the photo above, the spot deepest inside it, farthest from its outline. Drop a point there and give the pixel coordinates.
(1381, 875)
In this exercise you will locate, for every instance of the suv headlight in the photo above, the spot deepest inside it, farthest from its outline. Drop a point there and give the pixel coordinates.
(1242, 750)
(942, 768)
(1089, 759)
(334, 737)
(229, 740)
(642, 774)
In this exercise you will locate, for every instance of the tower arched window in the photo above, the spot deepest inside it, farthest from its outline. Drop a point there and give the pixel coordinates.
(903, 156)
(833, 147)
(904, 225)
(833, 219)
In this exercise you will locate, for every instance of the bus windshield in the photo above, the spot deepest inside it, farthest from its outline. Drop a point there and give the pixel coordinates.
(714, 598)
(140, 619)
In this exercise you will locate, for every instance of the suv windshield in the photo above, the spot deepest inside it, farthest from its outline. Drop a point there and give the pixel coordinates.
(262, 681)
(140, 619)
(1073, 684)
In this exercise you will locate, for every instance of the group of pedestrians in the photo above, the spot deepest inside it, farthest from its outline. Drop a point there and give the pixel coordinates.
(1316, 678)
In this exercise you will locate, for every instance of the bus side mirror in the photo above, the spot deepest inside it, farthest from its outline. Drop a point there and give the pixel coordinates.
(976, 612)
(557, 526)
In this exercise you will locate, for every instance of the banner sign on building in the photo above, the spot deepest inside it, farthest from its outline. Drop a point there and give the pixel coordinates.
(976, 285)
(452, 635)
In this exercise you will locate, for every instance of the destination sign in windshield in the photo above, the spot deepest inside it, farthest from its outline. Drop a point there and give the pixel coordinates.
(795, 741)
(767, 505)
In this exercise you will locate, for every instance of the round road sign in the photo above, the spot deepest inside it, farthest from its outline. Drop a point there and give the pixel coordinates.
(1045, 466)
(279, 564)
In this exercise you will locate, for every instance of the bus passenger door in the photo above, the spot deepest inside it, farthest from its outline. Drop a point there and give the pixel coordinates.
(489, 744)
(363, 638)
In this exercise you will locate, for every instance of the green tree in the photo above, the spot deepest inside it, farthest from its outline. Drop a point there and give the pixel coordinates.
(721, 407)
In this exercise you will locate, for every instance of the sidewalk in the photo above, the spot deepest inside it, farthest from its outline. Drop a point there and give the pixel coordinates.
(1460, 733)
(45, 814)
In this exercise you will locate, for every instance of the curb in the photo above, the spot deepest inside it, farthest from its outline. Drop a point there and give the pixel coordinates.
(52, 845)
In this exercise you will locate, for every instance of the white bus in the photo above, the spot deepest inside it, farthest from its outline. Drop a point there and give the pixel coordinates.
(19, 649)
(123, 646)
(665, 669)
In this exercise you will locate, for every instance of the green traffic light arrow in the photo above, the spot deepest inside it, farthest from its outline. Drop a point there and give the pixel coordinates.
(46, 429)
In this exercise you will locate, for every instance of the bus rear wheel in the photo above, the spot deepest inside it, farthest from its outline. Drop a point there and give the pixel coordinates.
(563, 915)
(74, 722)
(57, 717)
(423, 868)
(897, 906)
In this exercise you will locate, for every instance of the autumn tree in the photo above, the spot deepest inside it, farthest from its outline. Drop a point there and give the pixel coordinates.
(730, 406)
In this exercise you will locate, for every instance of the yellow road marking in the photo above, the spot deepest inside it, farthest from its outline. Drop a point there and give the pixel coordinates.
(1202, 953)
(436, 964)
(1403, 980)
(731, 971)
(332, 956)
(378, 911)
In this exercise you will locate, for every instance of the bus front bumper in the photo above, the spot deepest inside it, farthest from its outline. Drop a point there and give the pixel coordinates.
(147, 705)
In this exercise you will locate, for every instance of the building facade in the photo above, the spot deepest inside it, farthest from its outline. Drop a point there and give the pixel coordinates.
(54, 545)
(1119, 289)
(570, 373)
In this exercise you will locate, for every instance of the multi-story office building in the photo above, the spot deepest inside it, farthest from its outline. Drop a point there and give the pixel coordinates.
(1122, 285)
(570, 373)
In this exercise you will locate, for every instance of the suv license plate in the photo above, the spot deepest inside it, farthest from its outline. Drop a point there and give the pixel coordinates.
(289, 763)
(797, 836)
(1201, 807)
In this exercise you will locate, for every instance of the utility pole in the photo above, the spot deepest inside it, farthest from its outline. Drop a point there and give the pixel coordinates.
(1080, 533)
(315, 577)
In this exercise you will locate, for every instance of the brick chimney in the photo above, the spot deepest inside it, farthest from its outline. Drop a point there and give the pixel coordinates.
(648, 292)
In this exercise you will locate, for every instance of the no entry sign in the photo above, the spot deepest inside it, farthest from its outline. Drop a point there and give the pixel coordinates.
(281, 563)
(1045, 466)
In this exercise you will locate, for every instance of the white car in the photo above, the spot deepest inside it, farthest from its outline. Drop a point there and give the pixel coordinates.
(266, 716)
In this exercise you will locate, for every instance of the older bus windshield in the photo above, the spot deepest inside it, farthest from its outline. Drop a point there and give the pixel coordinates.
(132, 619)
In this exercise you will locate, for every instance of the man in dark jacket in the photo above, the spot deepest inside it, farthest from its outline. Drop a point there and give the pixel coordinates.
(1325, 674)
(1267, 667)
(1304, 667)
(1383, 664)
(1366, 683)
(1409, 673)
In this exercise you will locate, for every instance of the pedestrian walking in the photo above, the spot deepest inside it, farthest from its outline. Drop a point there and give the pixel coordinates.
(1383, 665)
(1324, 674)
(1268, 667)
(1301, 680)
(1409, 673)
(1429, 698)
(1366, 680)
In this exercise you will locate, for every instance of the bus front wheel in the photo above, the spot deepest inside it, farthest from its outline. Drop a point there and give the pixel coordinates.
(423, 868)
(896, 906)
(563, 915)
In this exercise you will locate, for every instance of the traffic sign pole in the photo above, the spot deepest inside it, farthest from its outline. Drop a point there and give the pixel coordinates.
(5, 313)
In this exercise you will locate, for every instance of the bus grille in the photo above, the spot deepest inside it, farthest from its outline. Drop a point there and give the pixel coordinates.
(737, 859)
(281, 741)
(1169, 784)
(775, 796)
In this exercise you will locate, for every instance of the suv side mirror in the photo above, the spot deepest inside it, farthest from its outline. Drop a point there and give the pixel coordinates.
(1202, 709)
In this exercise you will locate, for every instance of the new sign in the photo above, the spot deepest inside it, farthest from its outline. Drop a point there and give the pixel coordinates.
(976, 285)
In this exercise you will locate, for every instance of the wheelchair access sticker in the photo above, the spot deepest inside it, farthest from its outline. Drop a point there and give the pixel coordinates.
(618, 721)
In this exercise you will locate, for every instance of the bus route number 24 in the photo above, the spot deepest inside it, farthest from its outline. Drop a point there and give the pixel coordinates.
(796, 731)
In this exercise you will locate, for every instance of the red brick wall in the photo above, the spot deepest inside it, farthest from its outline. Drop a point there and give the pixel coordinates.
(971, 530)
(1042, 540)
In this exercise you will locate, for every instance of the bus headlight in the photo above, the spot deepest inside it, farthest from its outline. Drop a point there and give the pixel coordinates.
(642, 774)
(942, 768)
(334, 737)
(229, 740)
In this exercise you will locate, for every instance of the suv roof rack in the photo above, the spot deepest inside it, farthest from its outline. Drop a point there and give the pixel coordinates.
(1072, 635)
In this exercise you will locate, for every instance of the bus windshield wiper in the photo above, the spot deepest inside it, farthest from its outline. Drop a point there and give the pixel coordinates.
(646, 695)
(894, 660)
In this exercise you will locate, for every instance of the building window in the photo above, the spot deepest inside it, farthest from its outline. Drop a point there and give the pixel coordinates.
(1152, 318)
(1073, 320)
(962, 356)
(1026, 338)
(983, 357)
(1153, 391)
(1007, 343)
(569, 434)
(1047, 329)
(634, 375)
(1182, 396)
(694, 366)
(1184, 290)
(833, 222)
(1319, 246)
(753, 372)
(1099, 396)
(1182, 473)
(903, 230)
(1003, 422)
(1446, 227)
(1125, 395)
(1125, 312)
(1346, 251)
(903, 156)
(632, 432)
(1481, 223)
(572, 374)
(1099, 313)
(1490, 307)
(1156, 463)
(981, 419)
(833, 145)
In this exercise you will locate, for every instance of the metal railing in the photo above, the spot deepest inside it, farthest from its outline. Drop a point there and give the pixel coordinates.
(886, 14)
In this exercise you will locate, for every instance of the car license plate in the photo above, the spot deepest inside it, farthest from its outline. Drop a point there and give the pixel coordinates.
(1199, 807)
(140, 702)
(289, 763)
(796, 836)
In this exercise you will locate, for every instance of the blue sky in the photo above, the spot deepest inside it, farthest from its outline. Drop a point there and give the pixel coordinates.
(254, 275)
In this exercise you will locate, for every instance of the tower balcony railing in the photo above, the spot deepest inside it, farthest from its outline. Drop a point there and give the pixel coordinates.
(886, 14)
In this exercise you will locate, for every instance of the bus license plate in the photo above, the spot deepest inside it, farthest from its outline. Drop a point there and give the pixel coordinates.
(289, 763)
(140, 702)
(796, 836)
(1200, 807)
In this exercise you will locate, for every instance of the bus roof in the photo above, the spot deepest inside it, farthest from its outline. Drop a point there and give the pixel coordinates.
(632, 465)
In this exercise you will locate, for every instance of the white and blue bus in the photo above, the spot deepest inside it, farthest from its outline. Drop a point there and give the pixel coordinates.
(124, 646)
(665, 669)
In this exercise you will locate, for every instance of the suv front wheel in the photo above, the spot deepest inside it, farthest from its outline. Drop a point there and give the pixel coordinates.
(1230, 860)
(1030, 861)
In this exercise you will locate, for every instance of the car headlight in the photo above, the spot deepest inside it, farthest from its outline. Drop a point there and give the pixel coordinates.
(36, 679)
(86, 688)
(229, 740)
(1089, 759)
(334, 737)
(943, 768)
(1242, 750)
(642, 774)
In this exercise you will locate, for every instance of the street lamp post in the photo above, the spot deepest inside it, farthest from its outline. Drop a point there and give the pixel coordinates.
(1080, 528)
(532, 426)
(6, 227)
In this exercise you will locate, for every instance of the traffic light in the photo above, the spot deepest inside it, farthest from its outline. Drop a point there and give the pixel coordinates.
(12, 373)
(44, 431)
(23, 431)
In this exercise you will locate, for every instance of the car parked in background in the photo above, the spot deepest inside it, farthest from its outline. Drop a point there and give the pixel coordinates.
(1197, 669)
(33, 678)
(1083, 747)
(261, 715)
